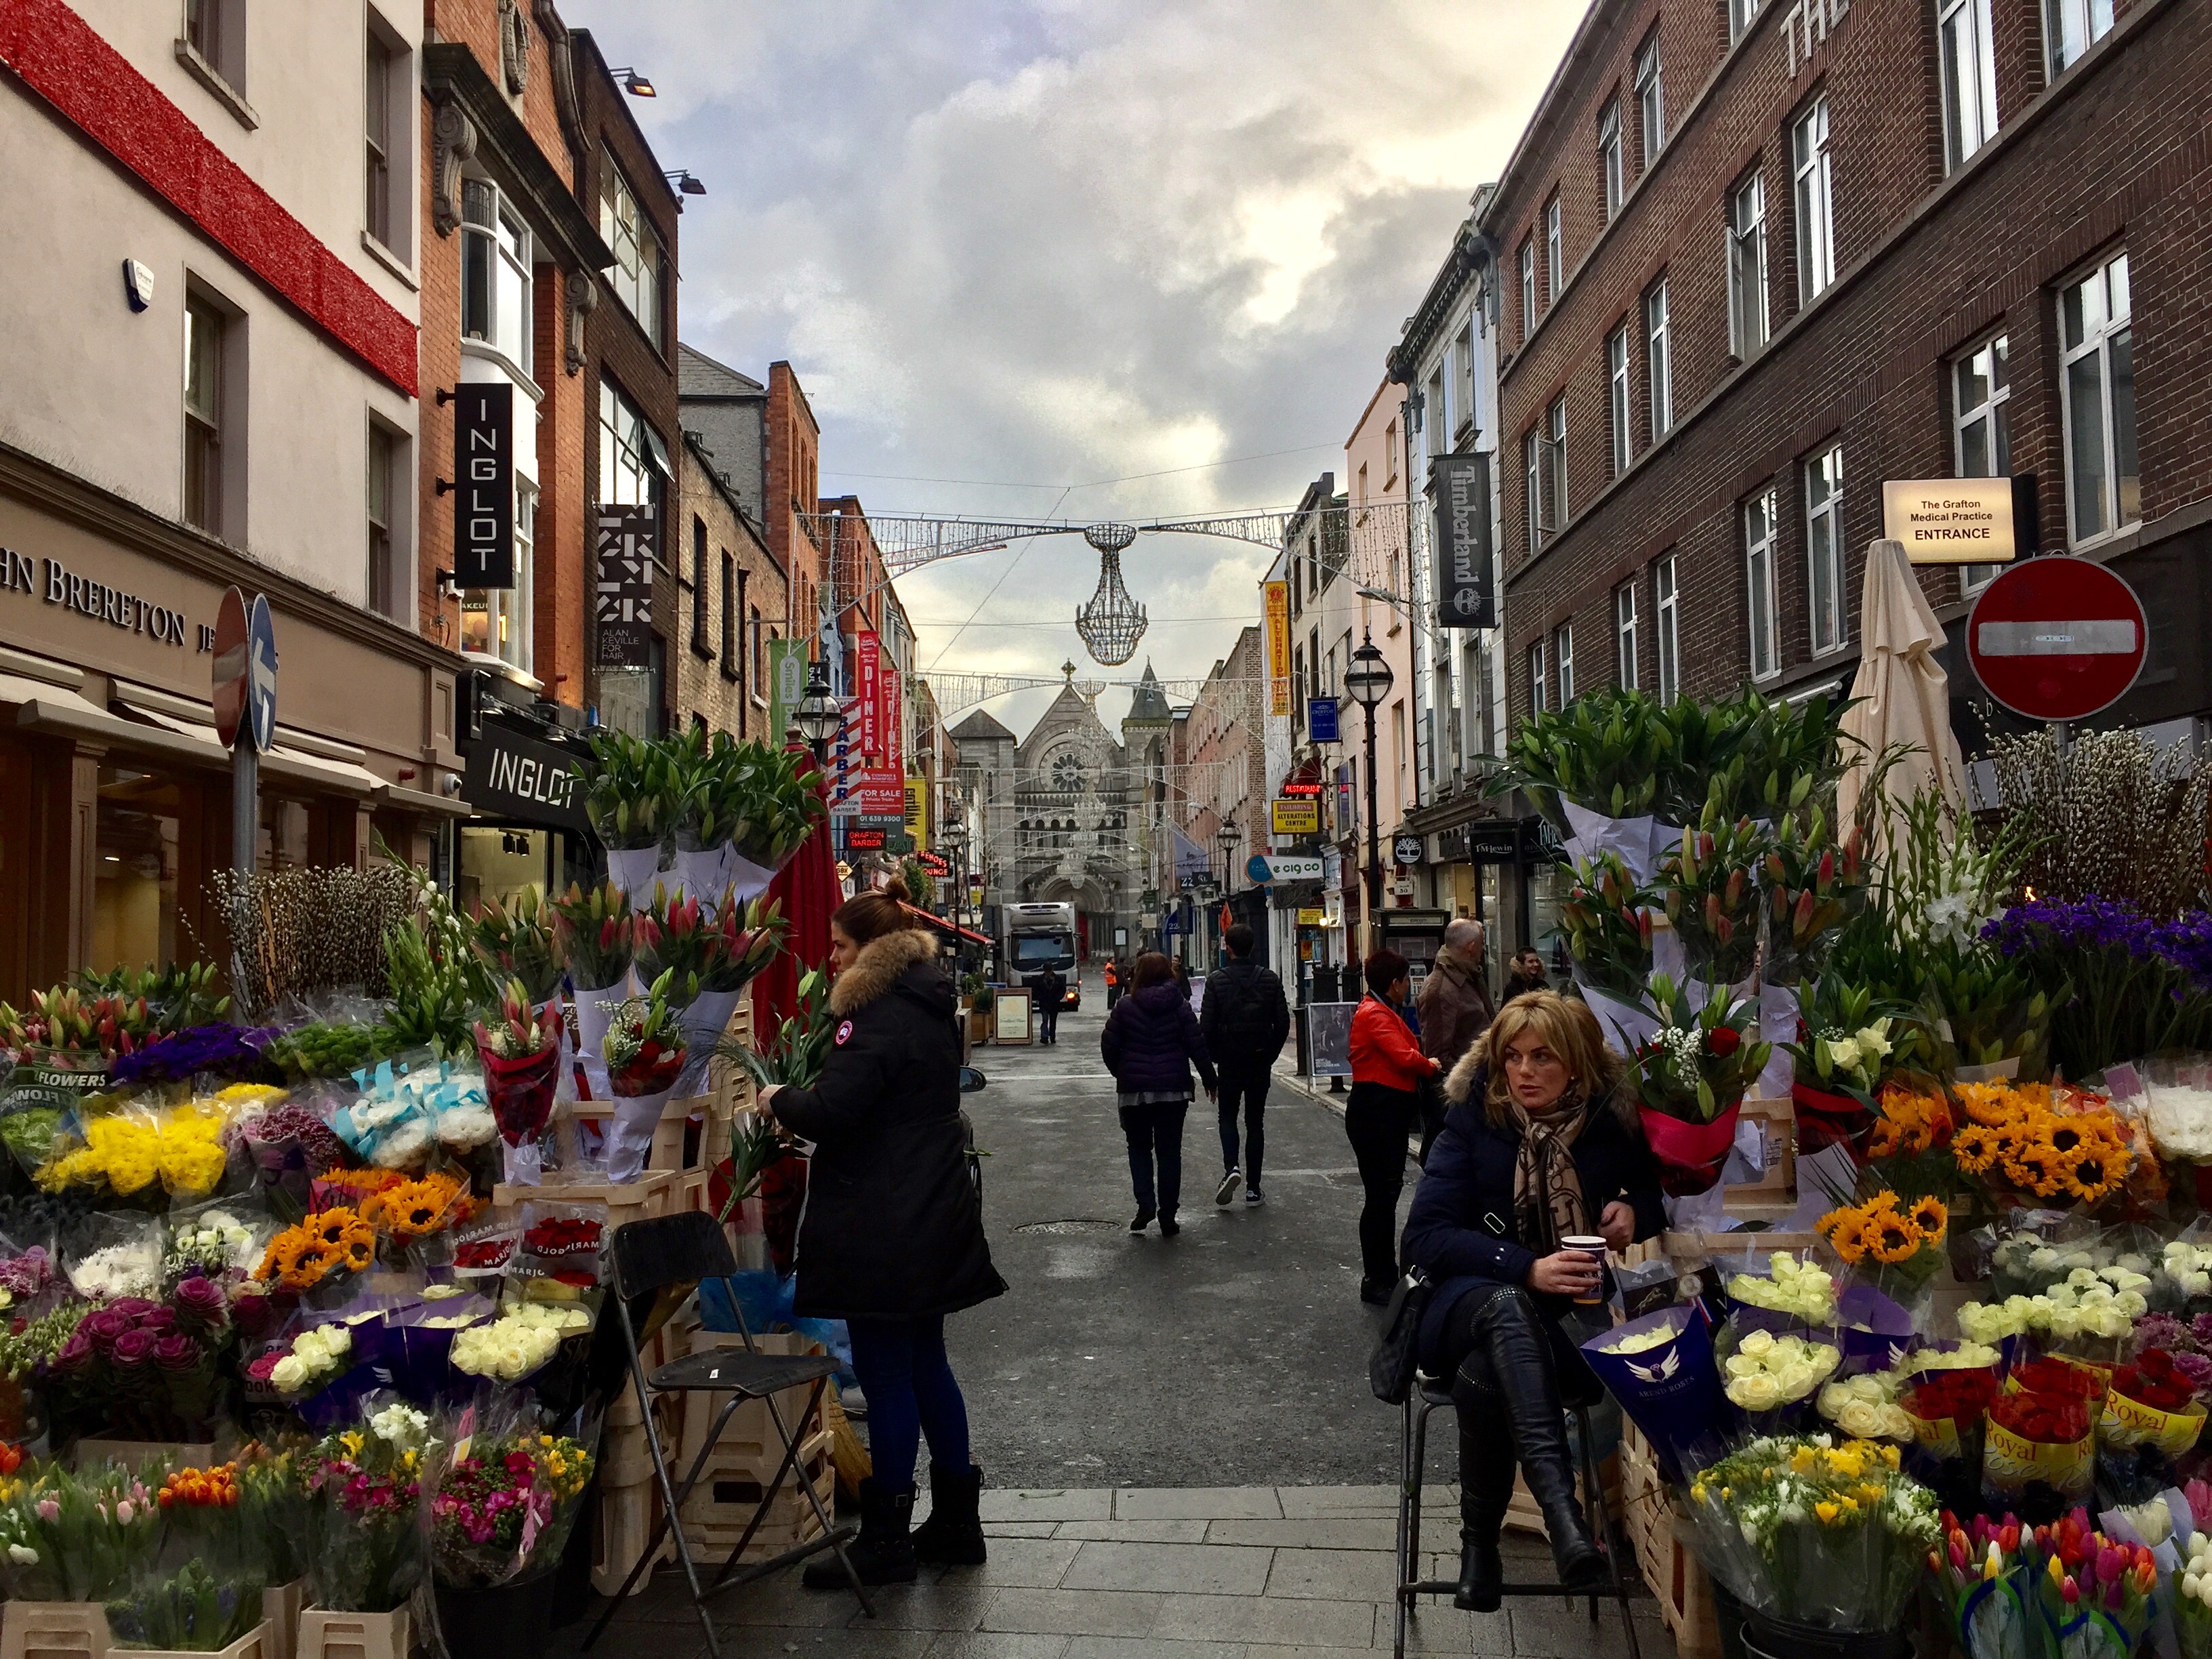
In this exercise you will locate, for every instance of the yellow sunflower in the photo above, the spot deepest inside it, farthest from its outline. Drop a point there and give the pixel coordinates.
(1931, 1218)
(1892, 1238)
(2092, 1173)
(1846, 1233)
(1977, 1147)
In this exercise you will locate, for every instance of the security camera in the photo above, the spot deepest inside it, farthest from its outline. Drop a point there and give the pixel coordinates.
(451, 783)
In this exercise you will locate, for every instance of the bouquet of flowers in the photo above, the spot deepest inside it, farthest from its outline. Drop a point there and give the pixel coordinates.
(318, 1355)
(1812, 887)
(1691, 1078)
(1893, 1245)
(505, 1505)
(1803, 1292)
(1712, 884)
(126, 1151)
(366, 1545)
(2188, 1344)
(406, 1106)
(1947, 1410)
(748, 808)
(307, 1256)
(521, 1056)
(1866, 1406)
(2150, 1416)
(1816, 1532)
(213, 1241)
(517, 943)
(2060, 1146)
(273, 1503)
(1837, 1066)
(145, 1369)
(2095, 1594)
(204, 1592)
(202, 1051)
(325, 1048)
(2183, 1278)
(634, 790)
(1661, 1368)
(707, 958)
(795, 1054)
(645, 1055)
(1766, 1373)
(1607, 922)
(2038, 1454)
(520, 1343)
(1985, 1574)
(73, 1535)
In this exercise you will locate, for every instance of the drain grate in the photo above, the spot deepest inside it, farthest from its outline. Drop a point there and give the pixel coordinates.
(1074, 1225)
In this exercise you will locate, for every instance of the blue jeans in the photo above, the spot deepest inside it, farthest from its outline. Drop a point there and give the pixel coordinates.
(911, 1391)
(1155, 1134)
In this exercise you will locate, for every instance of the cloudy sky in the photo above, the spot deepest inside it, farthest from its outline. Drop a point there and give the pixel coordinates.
(1075, 258)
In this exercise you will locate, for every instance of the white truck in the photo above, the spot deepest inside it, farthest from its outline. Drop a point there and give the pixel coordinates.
(1038, 936)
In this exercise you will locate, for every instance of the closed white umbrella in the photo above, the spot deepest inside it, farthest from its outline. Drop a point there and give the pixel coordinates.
(1904, 695)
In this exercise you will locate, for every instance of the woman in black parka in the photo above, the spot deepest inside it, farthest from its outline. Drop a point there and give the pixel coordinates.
(1542, 1143)
(892, 1237)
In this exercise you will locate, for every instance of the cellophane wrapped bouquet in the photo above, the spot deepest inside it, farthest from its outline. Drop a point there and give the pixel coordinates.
(73, 1534)
(521, 1056)
(201, 1590)
(367, 1544)
(508, 1496)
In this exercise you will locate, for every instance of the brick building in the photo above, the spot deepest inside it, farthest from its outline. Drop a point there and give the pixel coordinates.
(1754, 260)
(792, 463)
(729, 584)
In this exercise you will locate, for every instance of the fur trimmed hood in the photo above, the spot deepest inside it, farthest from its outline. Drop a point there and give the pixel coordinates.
(877, 968)
(1462, 1078)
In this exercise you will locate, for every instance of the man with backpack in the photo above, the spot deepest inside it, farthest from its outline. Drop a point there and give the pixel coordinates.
(1245, 1020)
(1050, 987)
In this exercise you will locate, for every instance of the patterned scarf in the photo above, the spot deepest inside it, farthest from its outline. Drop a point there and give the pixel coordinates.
(1547, 1193)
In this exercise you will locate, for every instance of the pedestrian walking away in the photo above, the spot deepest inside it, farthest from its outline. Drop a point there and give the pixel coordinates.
(1050, 988)
(1541, 1148)
(892, 1237)
(1455, 1009)
(1245, 1019)
(1151, 1042)
(1388, 1070)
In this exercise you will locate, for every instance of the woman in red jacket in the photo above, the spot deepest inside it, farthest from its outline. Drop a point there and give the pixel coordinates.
(1388, 1070)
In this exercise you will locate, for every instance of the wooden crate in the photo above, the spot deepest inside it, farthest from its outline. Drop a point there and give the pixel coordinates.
(651, 1194)
(625, 1458)
(728, 1084)
(626, 1519)
(1778, 1186)
(1521, 1514)
(670, 1134)
(1659, 1532)
(280, 1606)
(254, 1644)
(721, 1505)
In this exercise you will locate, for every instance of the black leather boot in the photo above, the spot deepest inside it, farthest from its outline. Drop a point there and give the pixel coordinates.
(883, 1553)
(1521, 1362)
(1485, 1490)
(953, 1534)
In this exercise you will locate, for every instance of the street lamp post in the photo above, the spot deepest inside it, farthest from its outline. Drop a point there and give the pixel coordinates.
(818, 715)
(1228, 836)
(956, 842)
(1368, 678)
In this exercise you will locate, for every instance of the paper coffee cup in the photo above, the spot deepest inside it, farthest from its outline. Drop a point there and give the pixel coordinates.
(1595, 1248)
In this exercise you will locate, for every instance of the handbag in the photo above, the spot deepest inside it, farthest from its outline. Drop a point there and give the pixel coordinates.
(1390, 1368)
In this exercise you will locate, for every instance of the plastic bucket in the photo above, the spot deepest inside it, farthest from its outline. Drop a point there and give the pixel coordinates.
(507, 1621)
(1779, 1638)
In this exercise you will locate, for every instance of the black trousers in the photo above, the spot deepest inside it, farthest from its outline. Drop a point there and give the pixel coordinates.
(1245, 1084)
(1378, 1121)
(1154, 1134)
(1047, 1022)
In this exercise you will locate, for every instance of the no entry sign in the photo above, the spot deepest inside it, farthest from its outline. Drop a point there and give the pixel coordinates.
(2056, 638)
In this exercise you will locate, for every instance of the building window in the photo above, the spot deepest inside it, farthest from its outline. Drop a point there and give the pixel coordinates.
(636, 278)
(1532, 469)
(1669, 633)
(1624, 636)
(1759, 538)
(1436, 425)
(496, 622)
(204, 329)
(2098, 382)
(1555, 465)
(2074, 26)
(495, 263)
(1741, 13)
(376, 100)
(732, 608)
(383, 494)
(1651, 100)
(1562, 662)
(1528, 288)
(633, 463)
(216, 34)
(1555, 254)
(1658, 361)
(1609, 159)
(1824, 546)
(1981, 391)
(1616, 374)
(1537, 687)
(699, 592)
(1816, 231)
(1970, 79)
(1747, 267)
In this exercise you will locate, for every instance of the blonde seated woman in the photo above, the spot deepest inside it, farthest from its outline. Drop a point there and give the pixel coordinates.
(1542, 1143)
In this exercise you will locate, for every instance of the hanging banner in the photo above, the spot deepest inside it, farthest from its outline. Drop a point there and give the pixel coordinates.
(869, 687)
(787, 684)
(627, 536)
(917, 813)
(894, 726)
(1460, 487)
(1279, 647)
(483, 484)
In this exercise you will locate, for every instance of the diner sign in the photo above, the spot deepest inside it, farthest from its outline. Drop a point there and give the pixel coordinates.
(1950, 520)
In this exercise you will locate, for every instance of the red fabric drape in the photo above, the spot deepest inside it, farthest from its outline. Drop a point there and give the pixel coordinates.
(808, 890)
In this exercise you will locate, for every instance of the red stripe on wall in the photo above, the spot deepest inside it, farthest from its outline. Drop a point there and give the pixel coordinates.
(60, 58)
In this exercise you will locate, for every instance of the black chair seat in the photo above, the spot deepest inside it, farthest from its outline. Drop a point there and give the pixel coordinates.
(732, 1371)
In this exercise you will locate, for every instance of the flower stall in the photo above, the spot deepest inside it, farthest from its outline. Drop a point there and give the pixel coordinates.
(1944, 1385)
(301, 1288)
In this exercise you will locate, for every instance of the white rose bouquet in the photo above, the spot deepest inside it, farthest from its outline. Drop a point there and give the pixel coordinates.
(1766, 1373)
(1804, 1291)
(1865, 1408)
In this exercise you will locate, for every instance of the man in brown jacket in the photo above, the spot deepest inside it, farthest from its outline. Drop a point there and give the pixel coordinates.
(1454, 1002)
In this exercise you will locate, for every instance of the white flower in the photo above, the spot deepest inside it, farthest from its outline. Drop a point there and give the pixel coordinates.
(403, 1146)
(1639, 1341)
(439, 1292)
(401, 1425)
(23, 1555)
(467, 1125)
(289, 1374)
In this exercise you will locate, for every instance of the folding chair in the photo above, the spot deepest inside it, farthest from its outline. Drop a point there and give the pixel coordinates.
(675, 1253)
(1577, 1394)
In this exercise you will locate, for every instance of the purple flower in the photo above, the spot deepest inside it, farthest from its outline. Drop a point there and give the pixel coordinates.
(106, 1328)
(134, 1347)
(73, 1354)
(160, 1321)
(176, 1352)
(200, 1301)
(221, 1051)
(2159, 1330)
(2201, 1329)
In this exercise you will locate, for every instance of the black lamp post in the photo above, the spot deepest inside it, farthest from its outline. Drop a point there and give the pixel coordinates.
(818, 715)
(1368, 678)
(1228, 836)
(956, 842)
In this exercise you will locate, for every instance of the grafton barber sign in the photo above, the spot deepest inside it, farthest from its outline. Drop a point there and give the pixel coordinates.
(57, 584)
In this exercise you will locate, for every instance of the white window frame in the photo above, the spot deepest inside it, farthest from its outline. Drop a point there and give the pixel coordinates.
(1651, 100)
(1463, 360)
(1826, 613)
(1658, 361)
(1562, 663)
(381, 478)
(1617, 398)
(1608, 160)
(206, 414)
(2106, 331)
(1625, 665)
(1555, 251)
(1667, 628)
(1532, 468)
(1986, 422)
(1555, 456)
(1762, 609)
(1969, 76)
(1527, 288)
(1741, 15)
(493, 231)
(1749, 321)
(1539, 687)
(1439, 432)
(627, 462)
(1813, 182)
(640, 271)
(2073, 26)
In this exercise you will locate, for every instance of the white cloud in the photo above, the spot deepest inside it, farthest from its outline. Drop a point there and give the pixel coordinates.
(1045, 244)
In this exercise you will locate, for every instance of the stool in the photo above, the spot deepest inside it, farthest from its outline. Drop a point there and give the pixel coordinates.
(1422, 1400)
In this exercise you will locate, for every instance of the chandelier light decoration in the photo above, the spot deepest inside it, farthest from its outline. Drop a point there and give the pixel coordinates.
(1111, 622)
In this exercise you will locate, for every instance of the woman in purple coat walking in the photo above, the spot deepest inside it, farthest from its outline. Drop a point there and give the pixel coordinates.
(1151, 1042)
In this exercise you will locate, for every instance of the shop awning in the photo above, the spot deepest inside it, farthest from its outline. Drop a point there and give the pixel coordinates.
(944, 926)
(281, 762)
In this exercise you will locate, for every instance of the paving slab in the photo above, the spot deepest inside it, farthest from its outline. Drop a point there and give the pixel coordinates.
(1334, 1575)
(995, 1645)
(1195, 1503)
(1047, 1504)
(1191, 1530)
(1216, 1618)
(1340, 1531)
(1075, 1612)
(1182, 1568)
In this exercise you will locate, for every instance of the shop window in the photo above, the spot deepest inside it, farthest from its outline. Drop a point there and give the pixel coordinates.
(287, 837)
(137, 862)
(496, 622)
(500, 863)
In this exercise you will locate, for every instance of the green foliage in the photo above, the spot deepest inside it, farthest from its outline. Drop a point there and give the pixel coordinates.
(517, 941)
(1701, 1060)
(703, 789)
(795, 1054)
(1608, 919)
(180, 996)
(633, 788)
(1711, 883)
(1812, 887)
